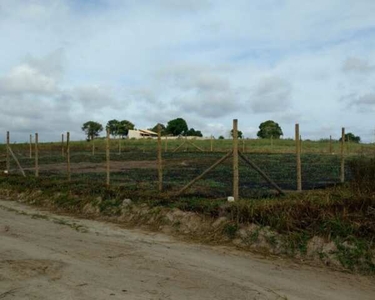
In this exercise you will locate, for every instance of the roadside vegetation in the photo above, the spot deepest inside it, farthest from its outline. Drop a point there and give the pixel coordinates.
(344, 214)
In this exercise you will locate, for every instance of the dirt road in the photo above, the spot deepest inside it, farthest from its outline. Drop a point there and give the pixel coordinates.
(46, 256)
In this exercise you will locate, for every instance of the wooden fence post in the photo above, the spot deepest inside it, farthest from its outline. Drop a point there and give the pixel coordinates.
(298, 156)
(62, 145)
(36, 155)
(108, 158)
(330, 144)
(8, 154)
(68, 156)
(31, 146)
(93, 146)
(235, 160)
(160, 163)
(342, 167)
(212, 144)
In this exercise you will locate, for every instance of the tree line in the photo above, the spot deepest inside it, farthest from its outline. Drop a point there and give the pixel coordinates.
(116, 128)
(179, 127)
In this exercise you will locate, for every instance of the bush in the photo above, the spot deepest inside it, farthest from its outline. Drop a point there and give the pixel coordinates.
(363, 175)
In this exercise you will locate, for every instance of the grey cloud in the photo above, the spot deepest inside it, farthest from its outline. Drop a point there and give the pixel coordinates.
(51, 65)
(184, 6)
(272, 94)
(357, 65)
(289, 117)
(94, 97)
(364, 101)
(201, 90)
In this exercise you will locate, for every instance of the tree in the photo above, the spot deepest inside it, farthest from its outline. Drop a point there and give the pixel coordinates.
(239, 133)
(155, 129)
(114, 127)
(92, 129)
(269, 129)
(221, 137)
(351, 137)
(124, 128)
(193, 132)
(177, 127)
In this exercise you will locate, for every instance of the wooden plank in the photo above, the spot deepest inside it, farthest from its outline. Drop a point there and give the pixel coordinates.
(199, 148)
(204, 173)
(264, 175)
(235, 160)
(17, 162)
(179, 147)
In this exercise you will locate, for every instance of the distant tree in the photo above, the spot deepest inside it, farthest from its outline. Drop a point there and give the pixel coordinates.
(239, 133)
(124, 128)
(177, 127)
(269, 129)
(92, 129)
(114, 127)
(351, 137)
(155, 129)
(221, 137)
(193, 132)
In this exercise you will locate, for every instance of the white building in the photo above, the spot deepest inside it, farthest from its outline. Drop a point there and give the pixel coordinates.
(141, 133)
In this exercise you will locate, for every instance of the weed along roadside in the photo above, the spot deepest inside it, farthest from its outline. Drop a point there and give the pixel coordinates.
(334, 227)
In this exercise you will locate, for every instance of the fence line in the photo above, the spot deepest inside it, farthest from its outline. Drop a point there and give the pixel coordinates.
(292, 167)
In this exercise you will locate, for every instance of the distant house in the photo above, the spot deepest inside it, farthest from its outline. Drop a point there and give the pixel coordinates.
(141, 133)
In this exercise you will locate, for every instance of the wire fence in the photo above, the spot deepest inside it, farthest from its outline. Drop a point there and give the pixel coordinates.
(133, 164)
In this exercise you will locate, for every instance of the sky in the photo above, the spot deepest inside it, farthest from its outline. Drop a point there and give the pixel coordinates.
(65, 62)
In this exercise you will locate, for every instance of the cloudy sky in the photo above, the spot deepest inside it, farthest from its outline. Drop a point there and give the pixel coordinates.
(64, 62)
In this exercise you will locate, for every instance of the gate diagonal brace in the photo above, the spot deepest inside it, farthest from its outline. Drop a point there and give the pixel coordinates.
(264, 175)
(179, 147)
(16, 160)
(187, 142)
(221, 160)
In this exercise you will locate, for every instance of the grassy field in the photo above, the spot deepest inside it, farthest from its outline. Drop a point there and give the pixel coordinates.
(133, 164)
(246, 145)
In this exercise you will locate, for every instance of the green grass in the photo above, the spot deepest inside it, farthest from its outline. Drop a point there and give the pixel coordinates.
(249, 145)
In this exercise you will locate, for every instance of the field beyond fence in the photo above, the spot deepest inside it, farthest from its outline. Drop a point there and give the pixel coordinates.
(133, 164)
